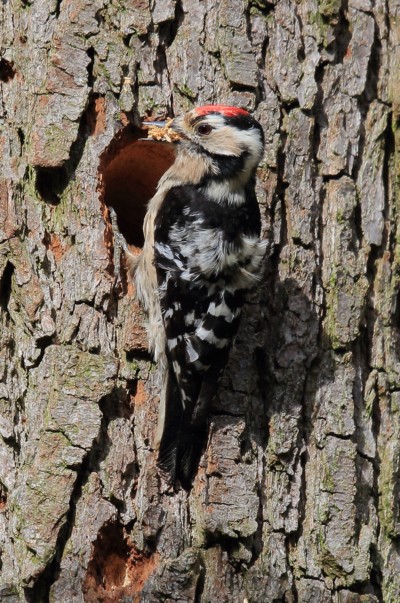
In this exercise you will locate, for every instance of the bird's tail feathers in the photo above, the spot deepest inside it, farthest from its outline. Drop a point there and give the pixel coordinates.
(182, 443)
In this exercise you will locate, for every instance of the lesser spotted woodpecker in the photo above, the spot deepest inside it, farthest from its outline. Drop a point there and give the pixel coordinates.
(202, 251)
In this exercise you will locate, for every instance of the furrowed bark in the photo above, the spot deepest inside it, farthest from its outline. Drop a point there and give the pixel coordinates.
(297, 494)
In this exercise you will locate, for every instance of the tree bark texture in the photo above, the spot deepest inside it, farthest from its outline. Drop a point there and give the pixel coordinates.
(297, 495)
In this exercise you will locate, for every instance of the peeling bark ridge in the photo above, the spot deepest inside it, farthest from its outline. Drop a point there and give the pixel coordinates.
(296, 498)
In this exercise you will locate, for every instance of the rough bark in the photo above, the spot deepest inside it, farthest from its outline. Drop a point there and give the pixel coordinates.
(297, 495)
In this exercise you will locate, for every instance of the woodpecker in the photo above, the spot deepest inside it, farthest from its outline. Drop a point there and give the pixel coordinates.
(202, 252)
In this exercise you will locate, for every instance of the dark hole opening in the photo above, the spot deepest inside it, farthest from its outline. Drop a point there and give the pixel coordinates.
(107, 567)
(51, 183)
(130, 169)
(7, 70)
(6, 285)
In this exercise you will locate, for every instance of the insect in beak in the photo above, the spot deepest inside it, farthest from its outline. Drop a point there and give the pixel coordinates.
(160, 124)
(163, 131)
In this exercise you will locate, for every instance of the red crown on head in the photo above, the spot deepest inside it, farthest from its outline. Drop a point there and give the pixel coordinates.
(224, 109)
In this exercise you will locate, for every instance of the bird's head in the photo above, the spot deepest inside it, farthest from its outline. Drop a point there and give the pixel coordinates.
(220, 131)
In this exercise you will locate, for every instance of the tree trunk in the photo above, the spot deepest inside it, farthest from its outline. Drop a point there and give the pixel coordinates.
(297, 495)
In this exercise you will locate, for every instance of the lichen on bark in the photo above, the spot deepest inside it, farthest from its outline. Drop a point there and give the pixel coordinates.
(296, 497)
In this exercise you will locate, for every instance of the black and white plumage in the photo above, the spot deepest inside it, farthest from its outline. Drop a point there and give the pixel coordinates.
(202, 252)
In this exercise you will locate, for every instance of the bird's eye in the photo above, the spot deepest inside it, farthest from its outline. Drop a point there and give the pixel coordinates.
(204, 129)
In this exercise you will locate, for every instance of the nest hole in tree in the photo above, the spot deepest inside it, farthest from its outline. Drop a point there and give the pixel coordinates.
(116, 569)
(130, 169)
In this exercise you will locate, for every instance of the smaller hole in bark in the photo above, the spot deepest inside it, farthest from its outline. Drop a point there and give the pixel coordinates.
(118, 405)
(3, 498)
(7, 70)
(397, 311)
(126, 40)
(5, 286)
(21, 136)
(91, 54)
(301, 55)
(51, 183)
(130, 169)
(131, 386)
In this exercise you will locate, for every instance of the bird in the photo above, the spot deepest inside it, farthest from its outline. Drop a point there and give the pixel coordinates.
(202, 252)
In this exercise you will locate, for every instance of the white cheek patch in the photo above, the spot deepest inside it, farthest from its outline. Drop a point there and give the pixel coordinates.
(231, 141)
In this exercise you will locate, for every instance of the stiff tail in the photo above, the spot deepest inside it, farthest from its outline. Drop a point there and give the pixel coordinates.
(182, 443)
